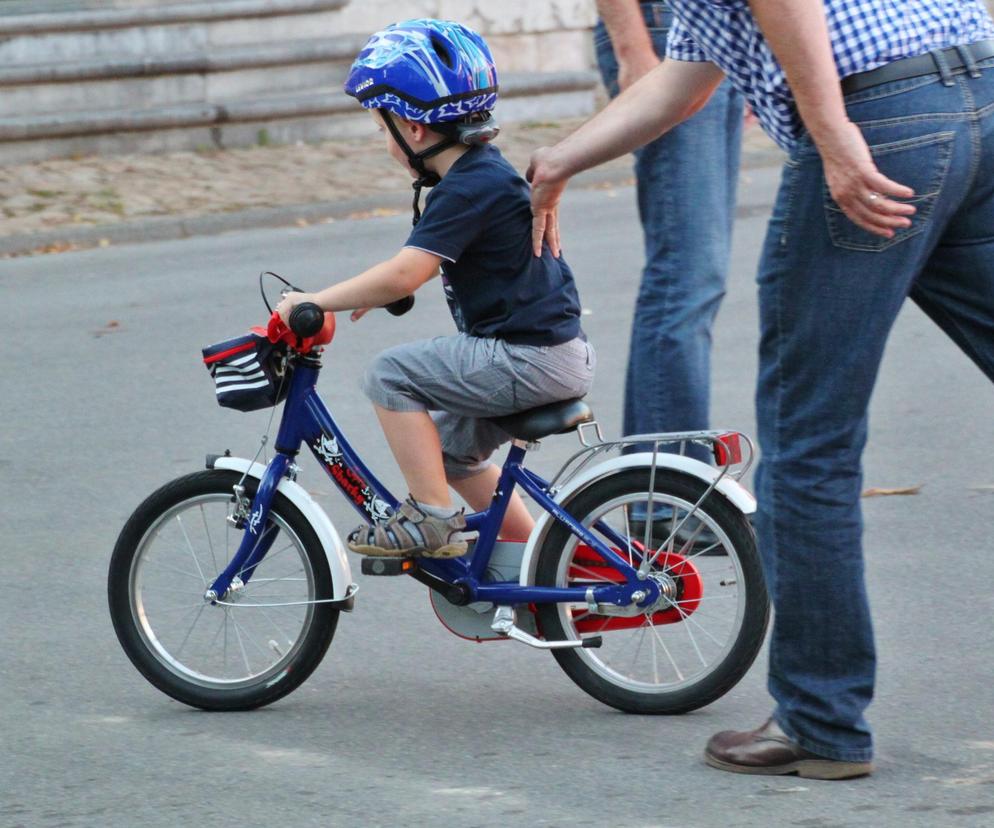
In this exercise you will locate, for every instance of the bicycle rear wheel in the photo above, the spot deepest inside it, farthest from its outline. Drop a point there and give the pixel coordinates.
(682, 653)
(252, 646)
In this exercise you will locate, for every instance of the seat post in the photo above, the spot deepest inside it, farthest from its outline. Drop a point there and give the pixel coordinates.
(526, 445)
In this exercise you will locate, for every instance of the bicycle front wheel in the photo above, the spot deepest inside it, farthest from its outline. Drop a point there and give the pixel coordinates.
(252, 646)
(686, 651)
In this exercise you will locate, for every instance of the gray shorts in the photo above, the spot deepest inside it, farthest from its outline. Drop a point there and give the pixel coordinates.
(462, 379)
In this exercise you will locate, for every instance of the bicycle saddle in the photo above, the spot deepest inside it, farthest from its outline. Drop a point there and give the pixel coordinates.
(554, 418)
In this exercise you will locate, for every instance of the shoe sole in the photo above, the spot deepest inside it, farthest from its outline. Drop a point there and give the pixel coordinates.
(450, 551)
(804, 768)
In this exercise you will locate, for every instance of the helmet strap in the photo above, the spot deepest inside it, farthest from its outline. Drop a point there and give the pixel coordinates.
(426, 177)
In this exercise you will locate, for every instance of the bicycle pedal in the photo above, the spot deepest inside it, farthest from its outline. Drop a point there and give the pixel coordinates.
(388, 566)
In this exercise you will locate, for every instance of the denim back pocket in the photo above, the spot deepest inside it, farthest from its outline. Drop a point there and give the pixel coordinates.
(920, 163)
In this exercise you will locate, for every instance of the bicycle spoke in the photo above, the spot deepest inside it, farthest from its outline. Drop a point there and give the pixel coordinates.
(251, 638)
(184, 608)
(594, 576)
(638, 649)
(241, 646)
(279, 629)
(171, 568)
(187, 636)
(268, 557)
(207, 532)
(193, 554)
(697, 624)
(666, 650)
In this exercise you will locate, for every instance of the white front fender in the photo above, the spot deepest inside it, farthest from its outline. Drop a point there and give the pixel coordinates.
(727, 486)
(341, 573)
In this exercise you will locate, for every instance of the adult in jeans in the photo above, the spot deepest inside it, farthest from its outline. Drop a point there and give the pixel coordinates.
(887, 194)
(685, 182)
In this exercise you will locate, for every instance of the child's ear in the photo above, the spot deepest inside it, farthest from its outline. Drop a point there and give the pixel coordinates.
(418, 130)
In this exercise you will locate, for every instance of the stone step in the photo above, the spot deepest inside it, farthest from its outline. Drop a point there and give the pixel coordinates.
(307, 115)
(161, 29)
(113, 76)
(158, 80)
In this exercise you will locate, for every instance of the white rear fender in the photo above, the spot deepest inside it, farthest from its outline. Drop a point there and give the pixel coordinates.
(728, 487)
(338, 563)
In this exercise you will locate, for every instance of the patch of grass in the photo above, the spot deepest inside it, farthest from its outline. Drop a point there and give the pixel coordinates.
(262, 138)
(109, 201)
(45, 193)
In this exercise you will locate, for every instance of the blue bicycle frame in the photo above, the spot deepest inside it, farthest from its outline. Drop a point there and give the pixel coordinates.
(306, 420)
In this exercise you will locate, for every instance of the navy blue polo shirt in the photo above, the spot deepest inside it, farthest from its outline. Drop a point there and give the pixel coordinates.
(478, 220)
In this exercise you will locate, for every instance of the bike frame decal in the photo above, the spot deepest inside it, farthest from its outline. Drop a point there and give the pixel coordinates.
(328, 452)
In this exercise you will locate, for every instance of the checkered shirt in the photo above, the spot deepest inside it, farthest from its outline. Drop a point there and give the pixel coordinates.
(865, 34)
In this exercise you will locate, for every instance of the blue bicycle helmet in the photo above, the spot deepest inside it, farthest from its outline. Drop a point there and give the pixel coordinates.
(431, 71)
(434, 72)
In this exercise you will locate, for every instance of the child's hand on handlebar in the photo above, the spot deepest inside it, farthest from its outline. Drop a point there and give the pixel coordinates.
(286, 305)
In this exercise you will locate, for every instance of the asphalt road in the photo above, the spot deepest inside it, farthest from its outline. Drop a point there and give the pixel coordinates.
(104, 398)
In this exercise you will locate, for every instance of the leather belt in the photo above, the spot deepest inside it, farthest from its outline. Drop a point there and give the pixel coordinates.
(919, 66)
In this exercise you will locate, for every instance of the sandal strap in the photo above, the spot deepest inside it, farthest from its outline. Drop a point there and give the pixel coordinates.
(435, 531)
(410, 528)
(395, 533)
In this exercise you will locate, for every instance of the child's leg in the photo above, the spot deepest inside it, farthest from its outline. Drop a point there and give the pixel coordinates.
(413, 439)
(478, 491)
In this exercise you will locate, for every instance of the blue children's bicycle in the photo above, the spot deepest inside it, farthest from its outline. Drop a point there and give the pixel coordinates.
(641, 574)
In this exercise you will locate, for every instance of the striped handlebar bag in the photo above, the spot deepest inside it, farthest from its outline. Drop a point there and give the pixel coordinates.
(249, 372)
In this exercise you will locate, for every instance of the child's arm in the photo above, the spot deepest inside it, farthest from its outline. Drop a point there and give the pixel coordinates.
(381, 284)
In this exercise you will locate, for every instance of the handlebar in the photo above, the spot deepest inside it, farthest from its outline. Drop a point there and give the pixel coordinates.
(310, 326)
(306, 319)
(401, 306)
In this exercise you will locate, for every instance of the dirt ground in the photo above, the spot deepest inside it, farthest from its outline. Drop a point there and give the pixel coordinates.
(54, 194)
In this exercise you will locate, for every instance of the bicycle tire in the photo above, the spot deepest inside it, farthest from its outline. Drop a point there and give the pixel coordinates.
(590, 668)
(139, 579)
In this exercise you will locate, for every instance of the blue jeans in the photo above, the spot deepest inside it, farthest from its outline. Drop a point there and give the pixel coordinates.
(829, 293)
(686, 184)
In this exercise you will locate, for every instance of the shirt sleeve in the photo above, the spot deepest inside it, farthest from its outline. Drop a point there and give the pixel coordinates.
(449, 224)
(680, 45)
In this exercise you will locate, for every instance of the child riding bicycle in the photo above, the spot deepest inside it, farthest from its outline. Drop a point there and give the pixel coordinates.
(431, 86)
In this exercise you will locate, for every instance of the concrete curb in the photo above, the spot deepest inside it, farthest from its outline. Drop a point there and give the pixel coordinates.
(169, 228)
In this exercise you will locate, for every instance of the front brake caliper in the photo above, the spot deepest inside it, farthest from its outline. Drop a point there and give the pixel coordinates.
(242, 508)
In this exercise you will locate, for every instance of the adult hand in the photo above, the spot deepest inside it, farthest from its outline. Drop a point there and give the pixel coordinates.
(859, 188)
(547, 190)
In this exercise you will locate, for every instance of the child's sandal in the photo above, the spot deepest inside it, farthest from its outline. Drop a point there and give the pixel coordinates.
(410, 533)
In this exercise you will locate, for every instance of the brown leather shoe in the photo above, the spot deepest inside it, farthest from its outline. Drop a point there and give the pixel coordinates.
(768, 750)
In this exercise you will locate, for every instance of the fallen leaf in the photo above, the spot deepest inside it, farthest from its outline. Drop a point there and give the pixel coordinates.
(905, 490)
(376, 212)
(56, 247)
